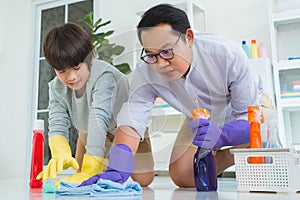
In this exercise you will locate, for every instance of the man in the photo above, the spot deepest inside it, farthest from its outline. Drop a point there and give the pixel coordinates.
(188, 72)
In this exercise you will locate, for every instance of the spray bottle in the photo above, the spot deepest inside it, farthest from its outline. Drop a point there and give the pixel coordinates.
(37, 156)
(205, 174)
(254, 119)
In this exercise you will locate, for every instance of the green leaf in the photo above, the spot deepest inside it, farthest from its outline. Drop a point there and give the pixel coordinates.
(98, 22)
(108, 33)
(124, 68)
(117, 50)
(88, 20)
(100, 25)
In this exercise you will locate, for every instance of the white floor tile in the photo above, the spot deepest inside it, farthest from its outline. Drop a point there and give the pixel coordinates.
(162, 188)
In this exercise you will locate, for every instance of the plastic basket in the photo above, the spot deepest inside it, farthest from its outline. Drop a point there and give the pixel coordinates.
(279, 173)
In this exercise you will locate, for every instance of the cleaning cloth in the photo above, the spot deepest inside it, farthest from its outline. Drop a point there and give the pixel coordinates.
(103, 188)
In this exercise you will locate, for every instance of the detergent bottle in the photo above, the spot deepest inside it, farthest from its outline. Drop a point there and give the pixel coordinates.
(246, 48)
(253, 49)
(254, 118)
(205, 175)
(37, 156)
(262, 50)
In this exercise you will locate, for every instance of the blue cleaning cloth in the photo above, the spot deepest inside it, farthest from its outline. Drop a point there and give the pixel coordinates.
(103, 188)
(49, 187)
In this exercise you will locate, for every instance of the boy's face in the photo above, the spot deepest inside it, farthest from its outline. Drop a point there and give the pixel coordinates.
(160, 40)
(74, 77)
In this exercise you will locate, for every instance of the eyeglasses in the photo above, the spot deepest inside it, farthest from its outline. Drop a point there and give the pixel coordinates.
(166, 54)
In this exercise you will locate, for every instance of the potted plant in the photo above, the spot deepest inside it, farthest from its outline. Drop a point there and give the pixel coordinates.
(104, 50)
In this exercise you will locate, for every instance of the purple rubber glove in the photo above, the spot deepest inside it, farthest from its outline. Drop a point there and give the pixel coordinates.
(209, 136)
(120, 166)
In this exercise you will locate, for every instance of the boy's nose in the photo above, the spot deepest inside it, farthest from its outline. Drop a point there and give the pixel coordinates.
(72, 75)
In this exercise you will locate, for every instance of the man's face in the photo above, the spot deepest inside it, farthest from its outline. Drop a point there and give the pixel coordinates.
(162, 40)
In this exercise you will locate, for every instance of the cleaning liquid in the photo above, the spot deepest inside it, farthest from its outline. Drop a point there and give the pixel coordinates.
(255, 135)
(246, 48)
(205, 175)
(253, 49)
(37, 156)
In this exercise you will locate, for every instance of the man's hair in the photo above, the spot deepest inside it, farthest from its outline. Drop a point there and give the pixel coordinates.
(67, 45)
(164, 14)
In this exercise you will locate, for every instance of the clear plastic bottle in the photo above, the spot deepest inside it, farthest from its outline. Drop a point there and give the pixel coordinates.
(246, 48)
(271, 120)
(253, 49)
(37, 155)
(205, 175)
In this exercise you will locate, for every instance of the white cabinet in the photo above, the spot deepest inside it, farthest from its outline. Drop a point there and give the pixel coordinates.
(285, 41)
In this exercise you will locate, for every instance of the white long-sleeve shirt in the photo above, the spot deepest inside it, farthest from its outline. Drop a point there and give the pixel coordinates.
(219, 80)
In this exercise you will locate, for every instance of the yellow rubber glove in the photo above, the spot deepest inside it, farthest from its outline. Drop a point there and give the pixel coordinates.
(91, 165)
(61, 158)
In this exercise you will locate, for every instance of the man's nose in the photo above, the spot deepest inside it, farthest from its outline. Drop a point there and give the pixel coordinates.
(162, 62)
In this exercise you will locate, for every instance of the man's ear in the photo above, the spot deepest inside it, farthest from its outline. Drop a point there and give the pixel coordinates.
(189, 34)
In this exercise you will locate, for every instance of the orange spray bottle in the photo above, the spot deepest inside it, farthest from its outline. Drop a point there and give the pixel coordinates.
(205, 175)
(255, 135)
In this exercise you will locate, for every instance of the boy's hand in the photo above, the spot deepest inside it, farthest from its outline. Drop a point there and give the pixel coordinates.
(61, 158)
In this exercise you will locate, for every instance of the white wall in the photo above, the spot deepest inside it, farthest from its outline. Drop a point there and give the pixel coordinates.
(16, 47)
(239, 20)
(235, 19)
(242, 19)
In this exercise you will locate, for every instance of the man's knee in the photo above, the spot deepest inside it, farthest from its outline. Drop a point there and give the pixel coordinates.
(182, 175)
(144, 179)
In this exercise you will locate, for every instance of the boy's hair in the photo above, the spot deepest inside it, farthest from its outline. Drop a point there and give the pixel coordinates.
(164, 14)
(67, 45)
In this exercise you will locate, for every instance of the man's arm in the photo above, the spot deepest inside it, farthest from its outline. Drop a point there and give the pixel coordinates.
(121, 158)
(127, 135)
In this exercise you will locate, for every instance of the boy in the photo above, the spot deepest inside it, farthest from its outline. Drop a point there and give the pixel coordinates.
(188, 71)
(86, 93)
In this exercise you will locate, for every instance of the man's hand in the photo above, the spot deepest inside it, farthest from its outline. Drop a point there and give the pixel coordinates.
(209, 136)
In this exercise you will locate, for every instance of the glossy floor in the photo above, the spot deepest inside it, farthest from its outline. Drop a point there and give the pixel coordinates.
(162, 188)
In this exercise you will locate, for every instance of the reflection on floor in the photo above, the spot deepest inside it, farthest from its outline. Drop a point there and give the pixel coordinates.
(162, 188)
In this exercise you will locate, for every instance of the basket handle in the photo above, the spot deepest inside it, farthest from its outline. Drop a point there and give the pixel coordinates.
(260, 159)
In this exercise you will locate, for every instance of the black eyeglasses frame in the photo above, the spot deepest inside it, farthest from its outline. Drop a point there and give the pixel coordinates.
(159, 53)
